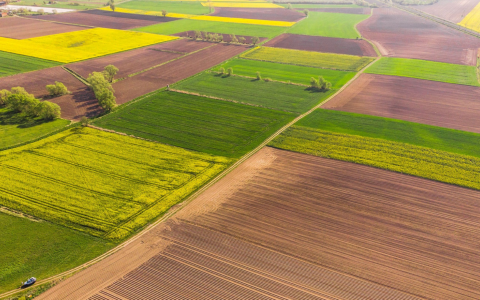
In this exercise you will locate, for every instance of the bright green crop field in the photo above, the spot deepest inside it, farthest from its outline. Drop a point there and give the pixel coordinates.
(284, 72)
(423, 69)
(404, 158)
(11, 64)
(41, 249)
(329, 25)
(309, 58)
(104, 184)
(274, 95)
(212, 26)
(198, 123)
(16, 129)
(181, 7)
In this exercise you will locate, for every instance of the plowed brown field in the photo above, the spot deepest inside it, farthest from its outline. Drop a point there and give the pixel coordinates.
(169, 73)
(422, 101)
(81, 102)
(400, 34)
(182, 45)
(285, 225)
(275, 14)
(322, 44)
(342, 10)
(226, 37)
(22, 28)
(450, 10)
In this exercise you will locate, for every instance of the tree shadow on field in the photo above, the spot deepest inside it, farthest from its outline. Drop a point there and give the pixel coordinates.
(312, 90)
(8, 117)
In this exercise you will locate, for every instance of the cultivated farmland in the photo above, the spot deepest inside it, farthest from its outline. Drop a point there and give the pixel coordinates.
(183, 7)
(21, 28)
(197, 123)
(244, 4)
(340, 10)
(308, 58)
(471, 20)
(274, 95)
(276, 14)
(295, 226)
(286, 73)
(450, 10)
(428, 102)
(322, 44)
(11, 64)
(108, 185)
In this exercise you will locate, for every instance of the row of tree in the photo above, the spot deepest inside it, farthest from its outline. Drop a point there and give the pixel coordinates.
(20, 101)
(100, 83)
(218, 38)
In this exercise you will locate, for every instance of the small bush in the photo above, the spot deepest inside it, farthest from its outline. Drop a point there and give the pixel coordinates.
(48, 110)
(57, 89)
(267, 79)
(229, 71)
(164, 13)
(259, 77)
(289, 6)
(255, 40)
(84, 121)
(3, 97)
(305, 12)
(221, 70)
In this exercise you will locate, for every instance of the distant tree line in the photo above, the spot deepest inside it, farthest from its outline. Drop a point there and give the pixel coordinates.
(218, 38)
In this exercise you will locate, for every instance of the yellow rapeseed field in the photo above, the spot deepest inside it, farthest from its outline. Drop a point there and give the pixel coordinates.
(80, 45)
(242, 4)
(472, 20)
(244, 21)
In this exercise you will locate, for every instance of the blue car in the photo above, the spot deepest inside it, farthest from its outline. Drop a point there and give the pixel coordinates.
(29, 282)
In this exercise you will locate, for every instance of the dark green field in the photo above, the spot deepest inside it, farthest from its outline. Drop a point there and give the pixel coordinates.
(198, 123)
(274, 95)
(11, 64)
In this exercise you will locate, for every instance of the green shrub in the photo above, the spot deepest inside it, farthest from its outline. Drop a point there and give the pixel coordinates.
(259, 77)
(57, 89)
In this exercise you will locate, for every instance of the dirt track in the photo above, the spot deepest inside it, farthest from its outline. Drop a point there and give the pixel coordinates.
(274, 14)
(322, 44)
(400, 34)
(450, 10)
(22, 28)
(292, 226)
(422, 101)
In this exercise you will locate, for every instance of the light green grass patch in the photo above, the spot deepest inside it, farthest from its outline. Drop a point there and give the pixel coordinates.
(41, 249)
(212, 26)
(11, 64)
(274, 95)
(424, 69)
(329, 25)
(181, 7)
(285, 73)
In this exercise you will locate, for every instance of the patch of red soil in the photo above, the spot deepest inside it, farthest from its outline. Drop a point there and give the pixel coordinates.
(422, 101)
(23, 28)
(450, 10)
(226, 37)
(274, 14)
(322, 44)
(342, 10)
(400, 34)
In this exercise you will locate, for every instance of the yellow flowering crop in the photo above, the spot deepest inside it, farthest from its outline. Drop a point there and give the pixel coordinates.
(243, 4)
(472, 20)
(80, 45)
(244, 21)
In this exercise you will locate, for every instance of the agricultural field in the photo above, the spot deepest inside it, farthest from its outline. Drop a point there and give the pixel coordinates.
(273, 95)
(11, 64)
(108, 185)
(428, 102)
(67, 4)
(81, 45)
(242, 4)
(340, 10)
(275, 14)
(329, 25)
(471, 19)
(181, 7)
(293, 226)
(308, 58)
(23, 28)
(450, 10)
(197, 123)
(286, 73)
(41, 248)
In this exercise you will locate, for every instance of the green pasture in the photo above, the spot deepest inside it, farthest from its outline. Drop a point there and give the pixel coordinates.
(274, 95)
(198, 123)
(11, 64)
(181, 7)
(212, 26)
(329, 25)
(41, 249)
(423, 69)
(284, 72)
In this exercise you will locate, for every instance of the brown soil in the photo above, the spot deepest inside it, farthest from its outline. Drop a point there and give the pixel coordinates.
(105, 19)
(322, 44)
(292, 226)
(422, 101)
(182, 45)
(342, 10)
(400, 34)
(179, 69)
(450, 10)
(81, 102)
(274, 14)
(22, 28)
(226, 37)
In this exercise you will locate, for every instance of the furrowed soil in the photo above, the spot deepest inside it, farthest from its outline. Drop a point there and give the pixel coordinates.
(80, 102)
(450, 10)
(422, 101)
(22, 28)
(352, 232)
(400, 34)
(179, 69)
(182, 45)
(322, 44)
(341, 10)
(274, 14)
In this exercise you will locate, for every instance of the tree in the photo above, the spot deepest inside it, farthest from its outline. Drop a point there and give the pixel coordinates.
(4, 96)
(198, 34)
(109, 72)
(103, 90)
(221, 71)
(305, 11)
(233, 39)
(255, 40)
(19, 99)
(57, 89)
(320, 84)
(164, 13)
(289, 6)
(229, 71)
(203, 35)
(112, 6)
(48, 110)
(259, 77)
(241, 40)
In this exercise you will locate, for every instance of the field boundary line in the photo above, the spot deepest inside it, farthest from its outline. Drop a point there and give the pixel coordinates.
(77, 76)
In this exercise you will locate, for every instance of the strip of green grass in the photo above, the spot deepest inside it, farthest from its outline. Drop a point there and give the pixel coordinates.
(274, 95)
(329, 25)
(423, 162)
(211, 26)
(198, 123)
(16, 129)
(423, 69)
(41, 249)
(11, 64)
(188, 7)
(284, 72)
(439, 138)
